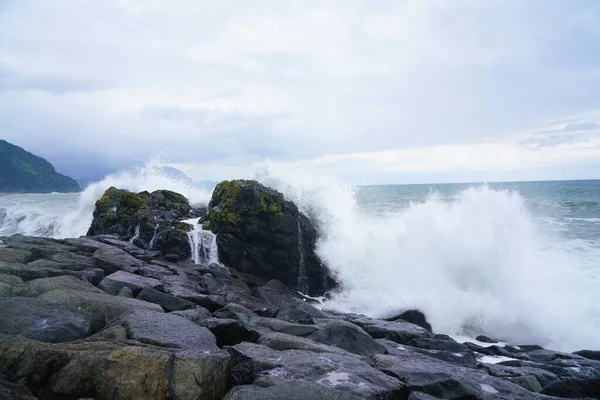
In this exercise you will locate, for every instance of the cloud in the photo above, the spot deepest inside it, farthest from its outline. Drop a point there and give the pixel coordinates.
(227, 84)
(581, 126)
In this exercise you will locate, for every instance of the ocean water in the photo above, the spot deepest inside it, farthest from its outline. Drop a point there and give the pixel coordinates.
(518, 261)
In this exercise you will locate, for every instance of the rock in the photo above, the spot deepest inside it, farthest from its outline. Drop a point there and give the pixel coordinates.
(349, 337)
(99, 308)
(296, 316)
(40, 286)
(528, 382)
(282, 341)
(463, 359)
(543, 376)
(166, 301)
(11, 391)
(444, 380)
(148, 219)
(289, 390)
(41, 320)
(125, 291)
(114, 282)
(589, 354)
(10, 280)
(168, 330)
(112, 260)
(54, 371)
(486, 339)
(282, 326)
(229, 332)
(436, 344)
(260, 233)
(5, 290)
(234, 311)
(31, 271)
(345, 373)
(414, 317)
(175, 244)
(196, 315)
(396, 331)
(17, 256)
(573, 388)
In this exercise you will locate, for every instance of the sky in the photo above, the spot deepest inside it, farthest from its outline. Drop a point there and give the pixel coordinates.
(373, 91)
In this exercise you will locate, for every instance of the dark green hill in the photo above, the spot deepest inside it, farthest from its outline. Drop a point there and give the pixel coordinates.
(21, 171)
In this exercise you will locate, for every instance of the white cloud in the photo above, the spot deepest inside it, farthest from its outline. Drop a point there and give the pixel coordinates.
(378, 86)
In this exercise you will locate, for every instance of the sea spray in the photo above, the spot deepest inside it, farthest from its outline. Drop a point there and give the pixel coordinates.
(70, 215)
(203, 244)
(475, 263)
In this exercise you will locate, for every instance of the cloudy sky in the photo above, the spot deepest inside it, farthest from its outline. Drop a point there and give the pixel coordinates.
(372, 91)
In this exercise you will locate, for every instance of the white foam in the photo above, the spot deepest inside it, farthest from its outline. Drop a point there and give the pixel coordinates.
(70, 215)
(475, 264)
(494, 359)
(488, 389)
(335, 378)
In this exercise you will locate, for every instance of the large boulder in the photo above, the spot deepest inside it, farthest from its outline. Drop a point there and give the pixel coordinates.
(42, 320)
(113, 371)
(146, 219)
(260, 233)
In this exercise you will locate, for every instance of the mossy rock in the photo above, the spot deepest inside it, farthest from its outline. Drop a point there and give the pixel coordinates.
(260, 233)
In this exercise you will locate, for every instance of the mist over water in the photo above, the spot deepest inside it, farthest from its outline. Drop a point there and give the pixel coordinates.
(519, 262)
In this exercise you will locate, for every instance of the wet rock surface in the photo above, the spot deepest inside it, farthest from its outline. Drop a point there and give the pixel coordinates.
(103, 318)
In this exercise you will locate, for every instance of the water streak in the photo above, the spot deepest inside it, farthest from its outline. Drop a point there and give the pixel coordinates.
(302, 278)
(203, 245)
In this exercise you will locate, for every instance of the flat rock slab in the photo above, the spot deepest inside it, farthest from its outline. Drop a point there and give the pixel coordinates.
(41, 320)
(281, 341)
(397, 331)
(344, 373)
(113, 260)
(99, 308)
(168, 330)
(112, 283)
(167, 301)
(289, 390)
(349, 337)
(426, 374)
(37, 287)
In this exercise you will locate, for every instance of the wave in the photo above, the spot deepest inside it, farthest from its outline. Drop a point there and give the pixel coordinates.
(478, 264)
(70, 215)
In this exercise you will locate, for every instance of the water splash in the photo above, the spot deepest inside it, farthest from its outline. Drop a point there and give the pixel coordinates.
(476, 262)
(203, 246)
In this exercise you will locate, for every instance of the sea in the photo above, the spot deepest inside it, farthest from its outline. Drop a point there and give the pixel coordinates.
(518, 261)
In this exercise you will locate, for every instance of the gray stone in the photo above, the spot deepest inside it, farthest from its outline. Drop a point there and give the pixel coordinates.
(229, 332)
(99, 308)
(290, 390)
(11, 280)
(168, 330)
(166, 301)
(345, 373)
(283, 341)
(112, 260)
(114, 282)
(125, 291)
(528, 382)
(40, 286)
(349, 337)
(196, 315)
(42, 320)
(5, 290)
(397, 331)
(277, 325)
(440, 379)
(295, 315)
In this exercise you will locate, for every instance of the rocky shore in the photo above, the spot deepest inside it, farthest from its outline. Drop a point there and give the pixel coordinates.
(124, 313)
